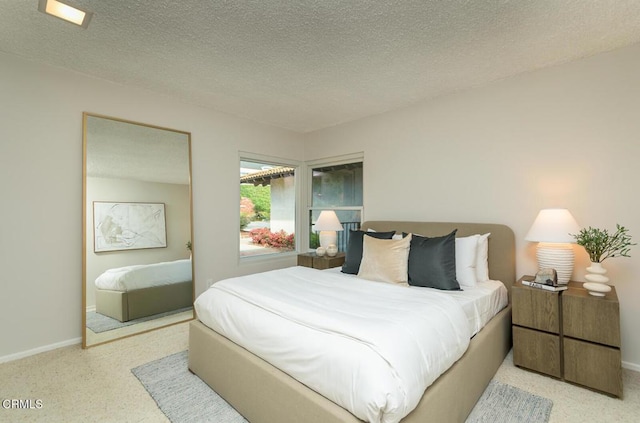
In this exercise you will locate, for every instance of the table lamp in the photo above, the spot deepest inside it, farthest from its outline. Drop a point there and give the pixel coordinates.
(328, 224)
(552, 230)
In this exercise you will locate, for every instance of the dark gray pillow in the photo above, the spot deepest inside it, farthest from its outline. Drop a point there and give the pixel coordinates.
(432, 262)
(353, 256)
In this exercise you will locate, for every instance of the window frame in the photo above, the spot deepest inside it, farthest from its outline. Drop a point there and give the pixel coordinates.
(299, 186)
(329, 161)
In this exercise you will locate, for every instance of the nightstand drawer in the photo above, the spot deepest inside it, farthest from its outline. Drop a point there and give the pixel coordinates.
(537, 351)
(595, 366)
(328, 262)
(305, 260)
(591, 318)
(535, 308)
(317, 262)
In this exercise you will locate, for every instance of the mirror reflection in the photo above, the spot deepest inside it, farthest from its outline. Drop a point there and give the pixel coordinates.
(137, 266)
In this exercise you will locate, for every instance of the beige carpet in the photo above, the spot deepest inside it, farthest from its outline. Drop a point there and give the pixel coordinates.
(78, 385)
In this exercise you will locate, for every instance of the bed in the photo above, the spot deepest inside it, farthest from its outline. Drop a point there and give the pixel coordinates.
(263, 393)
(132, 292)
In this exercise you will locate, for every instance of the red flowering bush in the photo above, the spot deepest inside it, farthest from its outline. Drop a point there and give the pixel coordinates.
(280, 239)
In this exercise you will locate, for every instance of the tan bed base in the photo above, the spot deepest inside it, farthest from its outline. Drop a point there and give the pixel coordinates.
(265, 394)
(125, 306)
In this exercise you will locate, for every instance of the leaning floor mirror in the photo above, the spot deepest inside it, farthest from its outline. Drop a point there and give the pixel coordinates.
(137, 264)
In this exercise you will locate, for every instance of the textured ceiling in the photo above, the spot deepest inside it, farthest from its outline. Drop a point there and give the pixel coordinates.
(310, 64)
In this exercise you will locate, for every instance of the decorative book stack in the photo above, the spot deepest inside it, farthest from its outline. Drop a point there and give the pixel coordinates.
(548, 285)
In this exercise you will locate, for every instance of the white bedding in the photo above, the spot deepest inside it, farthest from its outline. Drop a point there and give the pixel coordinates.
(373, 348)
(480, 303)
(130, 278)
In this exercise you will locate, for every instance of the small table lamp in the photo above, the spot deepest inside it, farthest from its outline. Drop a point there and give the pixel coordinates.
(328, 224)
(552, 231)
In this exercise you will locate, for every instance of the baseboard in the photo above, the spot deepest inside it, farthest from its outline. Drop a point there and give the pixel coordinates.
(631, 366)
(91, 308)
(44, 348)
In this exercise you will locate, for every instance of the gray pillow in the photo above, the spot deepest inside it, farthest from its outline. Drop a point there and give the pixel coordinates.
(353, 256)
(432, 262)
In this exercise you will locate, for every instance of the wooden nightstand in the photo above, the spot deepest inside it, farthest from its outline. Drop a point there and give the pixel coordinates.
(317, 262)
(569, 335)
(591, 336)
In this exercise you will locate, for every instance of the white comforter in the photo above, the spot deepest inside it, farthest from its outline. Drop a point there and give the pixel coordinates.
(141, 276)
(371, 347)
(480, 303)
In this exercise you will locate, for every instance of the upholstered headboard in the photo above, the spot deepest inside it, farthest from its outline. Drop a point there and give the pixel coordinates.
(502, 258)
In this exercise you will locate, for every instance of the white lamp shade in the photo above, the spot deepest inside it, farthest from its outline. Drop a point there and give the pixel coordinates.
(553, 225)
(328, 221)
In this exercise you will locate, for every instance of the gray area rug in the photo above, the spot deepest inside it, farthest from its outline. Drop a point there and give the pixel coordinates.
(506, 403)
(100, 323)
(184, 398)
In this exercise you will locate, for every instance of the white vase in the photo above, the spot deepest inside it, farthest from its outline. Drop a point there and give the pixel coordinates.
(597, 281)
(332, 250)
(597, 289)
(596, 273)
(320, 251)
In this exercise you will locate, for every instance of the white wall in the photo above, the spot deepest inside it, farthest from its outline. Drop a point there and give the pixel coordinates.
(41, 191)
(567, 136)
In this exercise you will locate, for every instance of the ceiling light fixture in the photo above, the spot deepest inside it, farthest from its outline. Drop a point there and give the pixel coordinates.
(65, 12)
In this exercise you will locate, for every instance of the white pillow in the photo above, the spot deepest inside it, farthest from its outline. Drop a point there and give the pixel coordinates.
(385, 260)
(466, 256)
(482, 258)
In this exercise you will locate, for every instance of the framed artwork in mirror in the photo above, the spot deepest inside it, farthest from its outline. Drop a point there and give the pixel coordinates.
(128, 226)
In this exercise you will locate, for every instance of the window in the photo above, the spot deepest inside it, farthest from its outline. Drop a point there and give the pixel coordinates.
(267, 207)
(336, 187)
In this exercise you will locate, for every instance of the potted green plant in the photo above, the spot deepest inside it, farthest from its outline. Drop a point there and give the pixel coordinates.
(602, 245)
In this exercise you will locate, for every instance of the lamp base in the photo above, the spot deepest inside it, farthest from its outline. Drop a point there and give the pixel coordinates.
(556, 256)
(327, 238)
